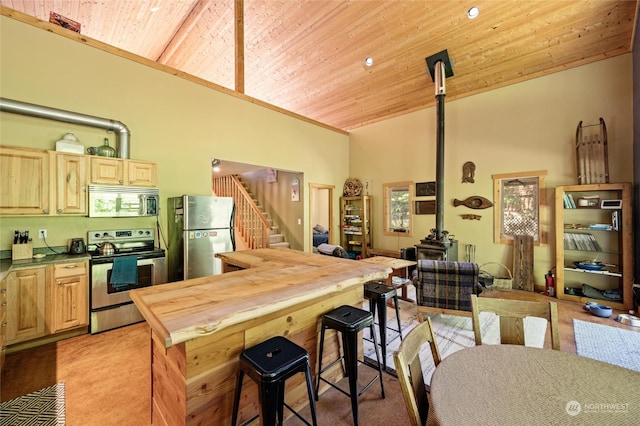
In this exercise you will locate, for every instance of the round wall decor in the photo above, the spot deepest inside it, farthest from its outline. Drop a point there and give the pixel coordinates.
(352, 187)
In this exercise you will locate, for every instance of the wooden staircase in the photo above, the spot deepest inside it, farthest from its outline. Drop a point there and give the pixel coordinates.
(252, 223)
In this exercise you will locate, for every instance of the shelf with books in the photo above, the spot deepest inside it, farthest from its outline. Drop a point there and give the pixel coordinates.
(355, 225)
(586, 232)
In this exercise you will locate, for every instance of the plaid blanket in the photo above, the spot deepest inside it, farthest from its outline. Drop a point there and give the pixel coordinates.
(446, 284)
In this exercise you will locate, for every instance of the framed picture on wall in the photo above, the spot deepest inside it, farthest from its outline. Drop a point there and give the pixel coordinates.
(426, 207)
(295, 190)
(272, 175)
(425, 189)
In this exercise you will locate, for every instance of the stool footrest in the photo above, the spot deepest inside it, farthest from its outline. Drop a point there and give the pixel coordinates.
(297, 415)
(364, 388)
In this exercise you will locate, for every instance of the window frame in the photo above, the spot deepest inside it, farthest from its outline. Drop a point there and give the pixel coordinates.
(498, 224)
(386, 190)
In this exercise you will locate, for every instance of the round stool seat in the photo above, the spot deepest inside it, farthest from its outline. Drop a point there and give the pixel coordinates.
(274, 359)
(347, 318)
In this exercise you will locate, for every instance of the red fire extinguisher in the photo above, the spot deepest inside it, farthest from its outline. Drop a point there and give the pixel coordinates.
(549, 284)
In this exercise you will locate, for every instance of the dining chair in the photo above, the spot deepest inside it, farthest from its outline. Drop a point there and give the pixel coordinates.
(409, 370)
(445, 287)
(511, 314)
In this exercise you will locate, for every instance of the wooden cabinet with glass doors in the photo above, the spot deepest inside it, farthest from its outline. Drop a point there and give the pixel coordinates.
(355, 225)
(593, 244)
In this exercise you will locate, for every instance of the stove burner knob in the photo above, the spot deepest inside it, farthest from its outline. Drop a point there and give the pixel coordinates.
(140, 232)
(96, 235)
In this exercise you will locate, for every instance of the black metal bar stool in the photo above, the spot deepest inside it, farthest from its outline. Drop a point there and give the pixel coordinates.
(378, 295)
(349, 321)
(270, 364)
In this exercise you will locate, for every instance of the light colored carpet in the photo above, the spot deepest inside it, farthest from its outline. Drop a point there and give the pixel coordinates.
(453, 333)
(43, 407)
(608, 344)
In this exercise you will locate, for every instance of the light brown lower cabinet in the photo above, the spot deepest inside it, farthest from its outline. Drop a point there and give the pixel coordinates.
(69, 301)
(46, 300)
(3, 320)
(26, 289)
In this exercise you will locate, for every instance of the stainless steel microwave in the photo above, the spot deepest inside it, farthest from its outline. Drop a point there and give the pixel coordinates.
(123, 201)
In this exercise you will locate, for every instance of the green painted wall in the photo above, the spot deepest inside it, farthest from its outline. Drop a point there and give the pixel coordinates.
(176, 123)
(522, 127)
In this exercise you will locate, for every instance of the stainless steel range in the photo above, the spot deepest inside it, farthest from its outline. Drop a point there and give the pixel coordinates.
(111, 306)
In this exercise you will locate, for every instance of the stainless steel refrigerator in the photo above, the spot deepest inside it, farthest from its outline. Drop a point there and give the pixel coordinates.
(199, 227)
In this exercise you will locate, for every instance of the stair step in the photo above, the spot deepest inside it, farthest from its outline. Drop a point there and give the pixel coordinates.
(280, 245)
(276, 238)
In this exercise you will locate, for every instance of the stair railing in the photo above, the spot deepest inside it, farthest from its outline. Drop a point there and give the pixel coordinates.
(250, 222)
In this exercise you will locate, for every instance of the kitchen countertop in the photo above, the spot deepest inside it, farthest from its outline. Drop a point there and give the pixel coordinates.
(8, 265)
(275, 280)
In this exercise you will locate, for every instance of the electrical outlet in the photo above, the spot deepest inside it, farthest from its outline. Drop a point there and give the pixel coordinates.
(42, 233)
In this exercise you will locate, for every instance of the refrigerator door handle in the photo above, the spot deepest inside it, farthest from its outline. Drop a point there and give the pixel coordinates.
(232, 227)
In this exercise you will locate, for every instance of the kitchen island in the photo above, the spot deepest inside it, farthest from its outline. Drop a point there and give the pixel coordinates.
(200, 326)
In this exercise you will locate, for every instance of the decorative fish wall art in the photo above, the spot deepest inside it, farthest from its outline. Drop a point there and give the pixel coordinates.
(473, 202)
(471, 216)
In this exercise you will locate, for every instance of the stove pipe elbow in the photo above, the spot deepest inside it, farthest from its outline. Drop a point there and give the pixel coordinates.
(120, 129)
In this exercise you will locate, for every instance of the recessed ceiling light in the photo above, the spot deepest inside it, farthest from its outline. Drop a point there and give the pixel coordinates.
(368, 61)
(154, 9)
(473, 12)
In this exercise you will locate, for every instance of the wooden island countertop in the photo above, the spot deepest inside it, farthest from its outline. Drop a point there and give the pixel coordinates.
(275, 279)
(199, 326)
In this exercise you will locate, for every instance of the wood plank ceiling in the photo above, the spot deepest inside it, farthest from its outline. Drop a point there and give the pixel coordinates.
(307, 56)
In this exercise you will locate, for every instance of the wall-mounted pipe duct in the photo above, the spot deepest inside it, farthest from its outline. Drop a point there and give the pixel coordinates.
(122, 132)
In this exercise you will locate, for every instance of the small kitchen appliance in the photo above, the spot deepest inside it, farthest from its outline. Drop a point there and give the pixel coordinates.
(123, 201)
(77, 246)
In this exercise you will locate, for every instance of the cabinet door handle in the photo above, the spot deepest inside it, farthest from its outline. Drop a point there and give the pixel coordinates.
(45, 211)
(70, 266)
(4, 324)
(60, 210)
(68, 177)
(4, 290)
(3, 304)
(131, 181)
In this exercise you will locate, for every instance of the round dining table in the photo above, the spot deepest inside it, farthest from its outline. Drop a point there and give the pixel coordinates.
(519, 385)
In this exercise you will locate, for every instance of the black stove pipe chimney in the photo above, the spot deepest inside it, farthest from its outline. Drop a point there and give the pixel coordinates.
(439, 67)
(440, 95)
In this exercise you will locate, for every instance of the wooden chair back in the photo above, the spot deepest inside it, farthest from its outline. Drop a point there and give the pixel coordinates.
(409, 370)
(511, 314)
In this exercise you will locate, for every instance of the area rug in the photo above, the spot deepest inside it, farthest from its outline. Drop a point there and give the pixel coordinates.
(453, 333)
(608, 344)
(43, 407)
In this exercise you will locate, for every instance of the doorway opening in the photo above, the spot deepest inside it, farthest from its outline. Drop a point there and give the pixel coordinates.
(320, 215)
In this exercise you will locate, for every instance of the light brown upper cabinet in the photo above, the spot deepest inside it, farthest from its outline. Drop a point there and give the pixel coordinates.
(116, 171)
(24, 181)
(70, 175)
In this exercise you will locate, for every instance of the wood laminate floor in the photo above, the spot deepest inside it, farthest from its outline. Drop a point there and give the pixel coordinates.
(107, 375)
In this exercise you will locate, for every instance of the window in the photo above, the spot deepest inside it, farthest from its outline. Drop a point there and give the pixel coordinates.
(519, 198)
(398, 197)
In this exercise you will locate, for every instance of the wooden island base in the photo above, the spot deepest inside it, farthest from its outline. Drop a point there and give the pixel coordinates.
(200, 326)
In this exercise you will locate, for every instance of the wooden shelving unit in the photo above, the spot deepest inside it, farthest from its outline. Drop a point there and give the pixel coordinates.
(355, 225)
(586, 232)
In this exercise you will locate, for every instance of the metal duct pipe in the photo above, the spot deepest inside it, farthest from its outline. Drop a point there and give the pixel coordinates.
(121, 131)
(440, 94)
